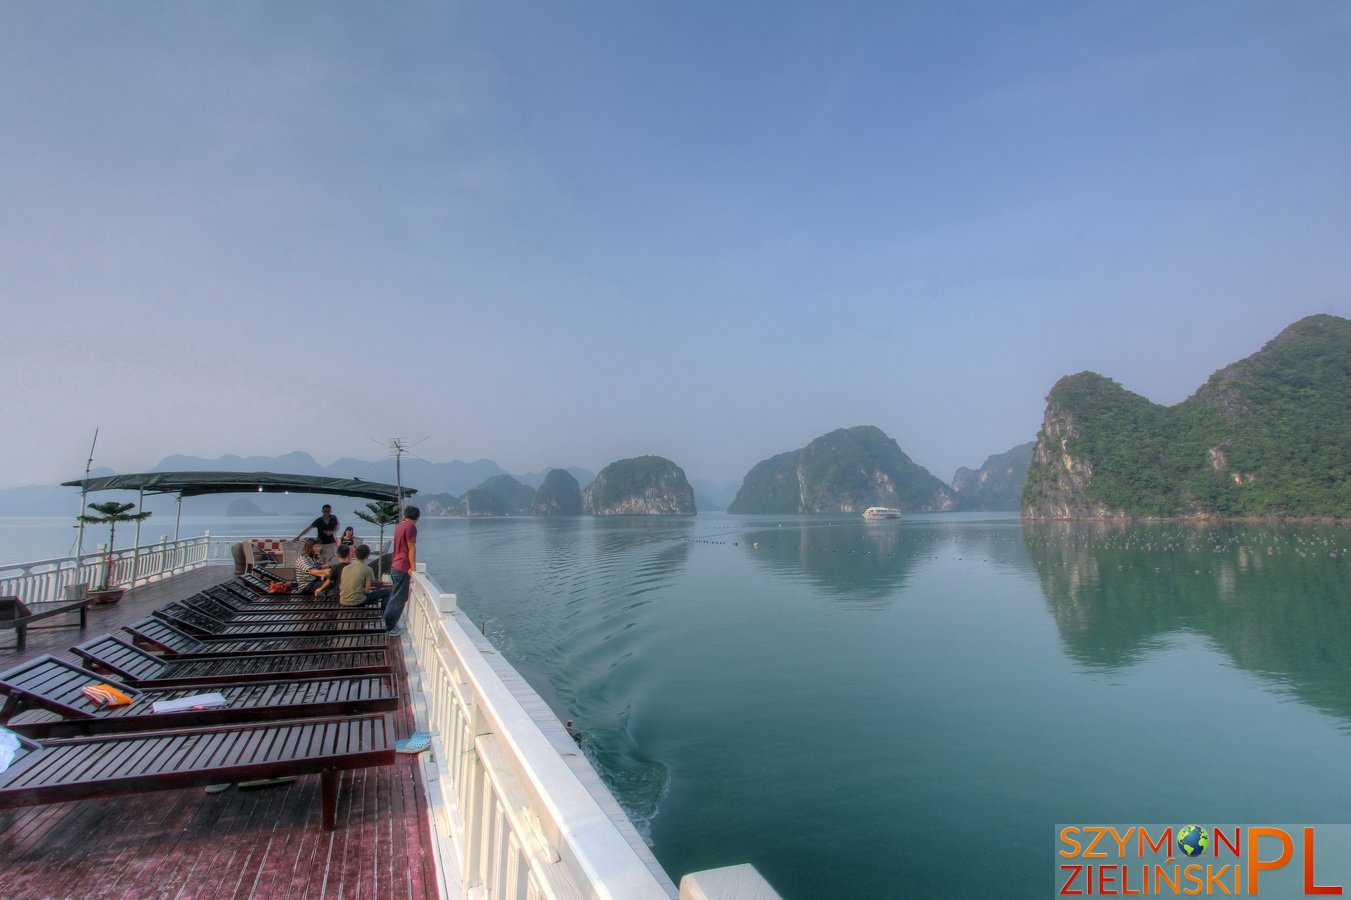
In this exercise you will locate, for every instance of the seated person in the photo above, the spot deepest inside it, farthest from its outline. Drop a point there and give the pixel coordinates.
(309, 571)
(328, 588)
(358, 582)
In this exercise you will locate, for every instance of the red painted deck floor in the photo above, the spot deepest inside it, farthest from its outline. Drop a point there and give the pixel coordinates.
(261, 842)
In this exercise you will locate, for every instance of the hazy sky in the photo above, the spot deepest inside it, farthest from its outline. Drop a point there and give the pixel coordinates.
(567, 233)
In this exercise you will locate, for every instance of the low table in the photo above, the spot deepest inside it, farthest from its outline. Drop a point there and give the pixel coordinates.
(16, 614)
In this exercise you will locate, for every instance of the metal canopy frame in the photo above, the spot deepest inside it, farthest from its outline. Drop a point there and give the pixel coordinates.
(196, 484)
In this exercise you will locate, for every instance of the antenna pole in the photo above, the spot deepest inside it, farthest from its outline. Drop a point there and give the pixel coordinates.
(399, 447)
(396, 444)
(84, 493)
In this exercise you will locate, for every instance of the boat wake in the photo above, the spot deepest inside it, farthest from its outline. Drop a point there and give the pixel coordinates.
(638, 784)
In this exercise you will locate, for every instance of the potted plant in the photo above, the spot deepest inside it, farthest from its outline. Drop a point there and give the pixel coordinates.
(381, 513)
(110, 513)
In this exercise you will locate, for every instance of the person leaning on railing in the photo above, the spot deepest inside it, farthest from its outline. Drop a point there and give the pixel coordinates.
(401, 567)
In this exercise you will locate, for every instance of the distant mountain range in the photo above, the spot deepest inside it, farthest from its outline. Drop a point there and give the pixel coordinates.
(455, 477)
(455, 488)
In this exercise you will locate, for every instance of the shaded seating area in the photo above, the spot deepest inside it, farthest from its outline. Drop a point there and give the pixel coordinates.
(83, 767)
(46, 698)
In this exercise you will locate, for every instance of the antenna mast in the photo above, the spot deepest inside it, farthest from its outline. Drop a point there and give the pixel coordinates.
(399, 447)
(84, 493)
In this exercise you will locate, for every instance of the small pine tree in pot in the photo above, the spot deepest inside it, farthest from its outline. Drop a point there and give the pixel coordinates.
(382, 513)
(110, 513)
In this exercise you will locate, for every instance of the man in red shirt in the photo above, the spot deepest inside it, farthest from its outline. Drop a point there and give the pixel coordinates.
(401, 568)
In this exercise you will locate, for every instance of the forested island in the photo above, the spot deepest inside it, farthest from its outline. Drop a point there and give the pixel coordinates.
(1266, 437)
(845, 471)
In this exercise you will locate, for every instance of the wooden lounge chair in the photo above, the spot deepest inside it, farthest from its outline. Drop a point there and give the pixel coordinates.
(45, 698)
(275, 602)
(142, 669)
(16, 614)
(171, 642)
(248, 592)
(257, 602)
(110, 765)
(261, 579)
(206, 626)
(334, 612)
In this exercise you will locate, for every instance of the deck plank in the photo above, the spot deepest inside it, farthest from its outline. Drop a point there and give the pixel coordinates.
(258, 843)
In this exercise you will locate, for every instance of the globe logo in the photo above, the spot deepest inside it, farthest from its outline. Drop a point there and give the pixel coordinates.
(1193, 839)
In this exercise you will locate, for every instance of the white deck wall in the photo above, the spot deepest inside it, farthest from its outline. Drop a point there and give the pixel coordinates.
(518, 810)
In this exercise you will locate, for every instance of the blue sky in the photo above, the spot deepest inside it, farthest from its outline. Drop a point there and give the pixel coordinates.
(563, 234)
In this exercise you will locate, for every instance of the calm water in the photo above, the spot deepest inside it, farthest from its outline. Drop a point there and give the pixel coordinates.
(906, 709)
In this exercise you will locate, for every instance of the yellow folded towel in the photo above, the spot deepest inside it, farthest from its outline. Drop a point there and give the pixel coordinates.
(102, 695)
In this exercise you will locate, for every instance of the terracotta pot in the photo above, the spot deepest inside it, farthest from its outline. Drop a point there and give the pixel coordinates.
(108, 595)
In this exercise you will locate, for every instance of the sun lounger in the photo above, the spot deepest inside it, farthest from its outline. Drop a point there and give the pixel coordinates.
(111, 765)
(143, 669)
(207, 626)
(261, 579)
(258, 602)
(276, 602)
(333, 612)
(171, 642)
(45, 698)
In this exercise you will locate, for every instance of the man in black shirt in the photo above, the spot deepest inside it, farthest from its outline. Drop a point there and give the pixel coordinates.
(326, 531)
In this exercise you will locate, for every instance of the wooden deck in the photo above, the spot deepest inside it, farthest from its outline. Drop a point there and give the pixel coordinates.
(262, 842)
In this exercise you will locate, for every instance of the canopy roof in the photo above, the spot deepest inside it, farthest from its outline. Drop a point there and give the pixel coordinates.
(192, 484)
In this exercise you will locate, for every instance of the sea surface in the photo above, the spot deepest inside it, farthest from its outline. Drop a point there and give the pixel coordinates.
(906, 709)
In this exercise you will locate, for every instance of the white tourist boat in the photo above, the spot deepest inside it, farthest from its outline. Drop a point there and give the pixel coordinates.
(881, 513)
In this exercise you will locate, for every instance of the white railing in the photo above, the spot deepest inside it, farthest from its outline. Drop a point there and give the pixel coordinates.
(48, 579)
(517, 810)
